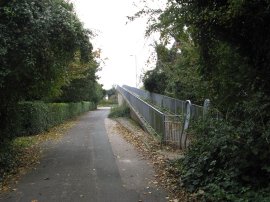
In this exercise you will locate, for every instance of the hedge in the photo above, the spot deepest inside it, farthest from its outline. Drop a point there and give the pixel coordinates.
(30, 118)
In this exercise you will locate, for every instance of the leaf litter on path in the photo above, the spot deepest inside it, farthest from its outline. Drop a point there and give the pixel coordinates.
(29, 151)
(160, 156)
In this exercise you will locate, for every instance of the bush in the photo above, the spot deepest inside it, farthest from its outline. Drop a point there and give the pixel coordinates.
(109, 103)
(228, 163)
(29, 118)
(33, 118)
(119, 111)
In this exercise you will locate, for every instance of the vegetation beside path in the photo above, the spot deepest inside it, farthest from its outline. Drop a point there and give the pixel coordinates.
(24, 153)
(48, 72)
(218, 50)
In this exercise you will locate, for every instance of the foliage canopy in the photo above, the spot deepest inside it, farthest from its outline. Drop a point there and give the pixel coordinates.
(39, 40)
(223, 47)
(45, 54)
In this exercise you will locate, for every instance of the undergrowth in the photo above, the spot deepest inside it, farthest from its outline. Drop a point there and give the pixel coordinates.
(20, 152)
(107, 103)
(227, 162)
(119, 111)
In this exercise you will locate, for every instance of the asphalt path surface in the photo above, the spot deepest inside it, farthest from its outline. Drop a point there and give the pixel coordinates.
(83, 166)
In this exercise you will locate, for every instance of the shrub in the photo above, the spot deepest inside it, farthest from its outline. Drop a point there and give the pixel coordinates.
(33, 117)
(229, 163)
(109, 103)
(119, 111)
(29, 118)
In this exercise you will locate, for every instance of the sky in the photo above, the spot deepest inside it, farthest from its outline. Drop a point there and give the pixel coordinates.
(124, 48)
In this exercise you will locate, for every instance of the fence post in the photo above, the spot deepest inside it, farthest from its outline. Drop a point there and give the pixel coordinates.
(164, 131)
(206, 106)
(183, 138)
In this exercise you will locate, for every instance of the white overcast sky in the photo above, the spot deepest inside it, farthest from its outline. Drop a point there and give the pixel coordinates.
(121, 43)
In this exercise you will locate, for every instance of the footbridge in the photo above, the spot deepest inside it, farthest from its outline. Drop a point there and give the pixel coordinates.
(168, 118)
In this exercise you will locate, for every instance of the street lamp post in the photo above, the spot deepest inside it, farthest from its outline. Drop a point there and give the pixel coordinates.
(135, 57)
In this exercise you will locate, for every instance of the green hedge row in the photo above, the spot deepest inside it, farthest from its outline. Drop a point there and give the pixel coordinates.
(36, 117)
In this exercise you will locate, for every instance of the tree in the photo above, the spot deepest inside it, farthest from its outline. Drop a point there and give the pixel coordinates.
(233, 37)
(111, 92)
(43, 47)
(155, 81)
(84, 88)
(230, 49)
(176, 72)
(39, 40)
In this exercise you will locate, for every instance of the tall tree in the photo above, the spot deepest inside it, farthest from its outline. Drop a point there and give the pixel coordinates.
(83, 88)
(177, 57)
(39, 40)
(43, 46)
(230, 160)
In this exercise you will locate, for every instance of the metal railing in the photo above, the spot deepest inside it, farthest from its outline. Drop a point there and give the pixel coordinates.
(151, 115)
(171, 127)
(173, 105)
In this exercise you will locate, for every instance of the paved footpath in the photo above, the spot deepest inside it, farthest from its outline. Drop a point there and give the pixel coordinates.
(83, 167)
